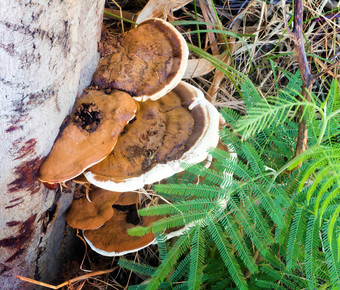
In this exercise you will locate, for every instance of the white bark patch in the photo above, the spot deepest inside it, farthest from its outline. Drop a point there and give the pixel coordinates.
(48, 53)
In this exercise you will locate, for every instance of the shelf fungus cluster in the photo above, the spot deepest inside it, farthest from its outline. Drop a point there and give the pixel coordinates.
(141, 124)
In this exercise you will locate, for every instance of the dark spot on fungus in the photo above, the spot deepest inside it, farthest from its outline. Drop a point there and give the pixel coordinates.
(88, 117)
(131, 213)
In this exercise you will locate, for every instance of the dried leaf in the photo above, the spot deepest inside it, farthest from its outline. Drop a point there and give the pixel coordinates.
(197, 67)
(159, 8)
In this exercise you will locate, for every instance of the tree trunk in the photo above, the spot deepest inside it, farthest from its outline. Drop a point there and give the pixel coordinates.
(48, 53)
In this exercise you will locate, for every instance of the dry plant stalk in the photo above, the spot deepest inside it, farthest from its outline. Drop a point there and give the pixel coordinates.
(69, 282)
(296, 34)
(307, 77)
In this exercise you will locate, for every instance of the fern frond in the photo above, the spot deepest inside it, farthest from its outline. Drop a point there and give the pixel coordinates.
(314, 152)
(238, 243)
(181, 269)
(311, 251)
(321, 176)
(251, 95)
(296, 236)
(333, 97)
(269, 112)
(177, 250)
(267, 203)
(198, 190)
(249, 227)
(263, 284)
(279, 277)
(331, 258)
(334, 218)
(215, 177)
(197, 255)
(255, 162)
(333, 193)
(142, 269)
(227, 255)
(294, 83)
(162, 245)
(181, 286)
(230, 116)
(177, 220)
(199, 204)
(259, 220)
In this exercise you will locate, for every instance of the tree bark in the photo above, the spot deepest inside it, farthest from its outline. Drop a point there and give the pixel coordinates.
(48, 53)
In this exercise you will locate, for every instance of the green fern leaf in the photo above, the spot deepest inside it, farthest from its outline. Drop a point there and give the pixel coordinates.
(249, 227)
(162, 245)
(239, 244)
(279, 277)
(177, 220)
(142, 269)
(225, 251)
(197, 255)
(199, 204)
(296, 236)
(331, 258)
(255, 214)
(198, 190)
(263, 284)
(311, 252)
(178, 249)
(181, 269)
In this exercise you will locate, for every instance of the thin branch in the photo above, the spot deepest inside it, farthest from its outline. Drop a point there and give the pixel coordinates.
(297, 36)
(69, 282)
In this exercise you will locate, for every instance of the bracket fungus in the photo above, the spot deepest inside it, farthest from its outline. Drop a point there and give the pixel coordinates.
(177, 128)
(121, 145)
(88, 135)
(112, 239)
(86, 215)
(149, 61)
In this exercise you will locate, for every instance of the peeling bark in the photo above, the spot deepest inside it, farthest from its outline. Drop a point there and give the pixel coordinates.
(48, 53)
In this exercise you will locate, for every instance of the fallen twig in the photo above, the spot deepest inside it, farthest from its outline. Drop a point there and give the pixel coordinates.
(69, 282)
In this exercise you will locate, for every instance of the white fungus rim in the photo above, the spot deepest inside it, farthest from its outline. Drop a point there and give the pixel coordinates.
(181, 70)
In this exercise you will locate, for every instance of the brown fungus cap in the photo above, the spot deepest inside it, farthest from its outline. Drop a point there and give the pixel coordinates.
(177, 128)
(88, 135)
(161, 132)
(149, 61)
(112, 239)
(86, 215)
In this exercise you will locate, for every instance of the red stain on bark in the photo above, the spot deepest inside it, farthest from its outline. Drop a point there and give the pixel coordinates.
(16, 199)
(13, 223)
(28, 149)
(12, 128)
(24, 235)
(27, 176)
(13, 205)
(15, 255)
(16, 121)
